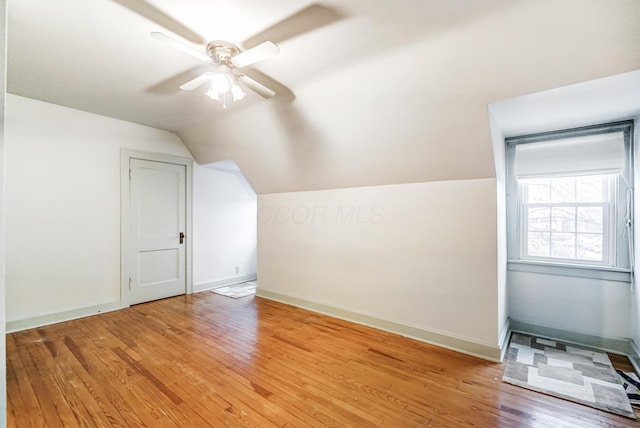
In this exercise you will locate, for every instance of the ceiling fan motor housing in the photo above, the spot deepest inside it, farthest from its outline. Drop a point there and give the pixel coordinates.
(221, 52)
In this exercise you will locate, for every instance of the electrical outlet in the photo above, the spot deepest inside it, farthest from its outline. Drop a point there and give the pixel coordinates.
(237, 269)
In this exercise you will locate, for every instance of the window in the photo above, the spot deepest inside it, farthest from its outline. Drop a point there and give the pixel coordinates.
(567, 219)
(569, 201)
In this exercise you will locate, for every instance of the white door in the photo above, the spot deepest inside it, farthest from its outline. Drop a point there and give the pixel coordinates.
(157, 226)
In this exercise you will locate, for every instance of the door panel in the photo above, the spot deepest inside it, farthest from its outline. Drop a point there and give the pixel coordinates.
(157, 266)
(157, 217)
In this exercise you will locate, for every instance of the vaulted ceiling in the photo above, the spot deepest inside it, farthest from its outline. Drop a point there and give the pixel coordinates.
(369, 92)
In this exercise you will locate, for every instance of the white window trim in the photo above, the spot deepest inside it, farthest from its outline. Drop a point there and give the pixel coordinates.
(609, 210)
(617, 269)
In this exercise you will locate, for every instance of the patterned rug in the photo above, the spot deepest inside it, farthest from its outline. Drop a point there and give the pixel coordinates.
(572, 372)
(631, 385)
(237, 290)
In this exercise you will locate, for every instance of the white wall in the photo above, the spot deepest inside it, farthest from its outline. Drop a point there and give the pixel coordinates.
(497, 142)
(224, 224)
(63, 205)
(3, 305)
(3, 367)
(595, 307)
(635, 294)
(421, 255)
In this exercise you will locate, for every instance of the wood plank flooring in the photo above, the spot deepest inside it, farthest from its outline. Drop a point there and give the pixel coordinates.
(209, 361)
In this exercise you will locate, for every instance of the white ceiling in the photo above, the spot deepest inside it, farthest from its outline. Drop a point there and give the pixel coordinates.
(602, 100)
(371, 92)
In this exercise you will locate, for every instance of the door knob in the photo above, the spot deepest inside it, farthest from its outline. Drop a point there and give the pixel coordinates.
(181, 237)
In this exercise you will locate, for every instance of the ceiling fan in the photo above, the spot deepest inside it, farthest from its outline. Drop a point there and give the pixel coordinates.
(226, 58)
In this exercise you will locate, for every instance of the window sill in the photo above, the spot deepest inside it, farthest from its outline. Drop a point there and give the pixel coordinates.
(579, 271)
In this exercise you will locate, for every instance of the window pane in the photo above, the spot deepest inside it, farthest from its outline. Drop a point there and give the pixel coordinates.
(563, 245)
(538, 191)
(538, 219)
(563, 219)
(563, 190)
(590, 219)
(538, 244)
(591, 188)
(590, 247)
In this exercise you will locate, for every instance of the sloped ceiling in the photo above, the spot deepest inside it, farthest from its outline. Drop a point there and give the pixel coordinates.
(370, 92)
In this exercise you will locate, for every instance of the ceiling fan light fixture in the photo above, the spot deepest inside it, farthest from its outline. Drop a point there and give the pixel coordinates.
(222, 82)
(237, 92)
(213, 94)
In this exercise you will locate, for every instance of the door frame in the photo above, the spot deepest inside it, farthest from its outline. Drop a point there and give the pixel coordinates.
(125, 242)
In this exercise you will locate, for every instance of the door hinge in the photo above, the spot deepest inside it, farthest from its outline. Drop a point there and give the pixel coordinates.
(129, 173)
(129, 283)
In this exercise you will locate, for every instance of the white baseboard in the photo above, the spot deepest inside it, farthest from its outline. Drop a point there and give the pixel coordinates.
(209, 285)
(634, 355)
(614, 345)
(442, 340)
(42, 320)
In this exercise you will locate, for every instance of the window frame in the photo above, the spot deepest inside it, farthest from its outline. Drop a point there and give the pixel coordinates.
(608, 214)
(618, 268)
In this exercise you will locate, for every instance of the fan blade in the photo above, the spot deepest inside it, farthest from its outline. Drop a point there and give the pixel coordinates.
(255, 86)
(152, 13)
(259, 53)
(282, 93)
(181, 46)
(197, 82)
(171, 84)
(305, 20)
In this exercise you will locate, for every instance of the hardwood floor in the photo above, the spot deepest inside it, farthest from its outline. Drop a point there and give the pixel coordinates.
(209, 361)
